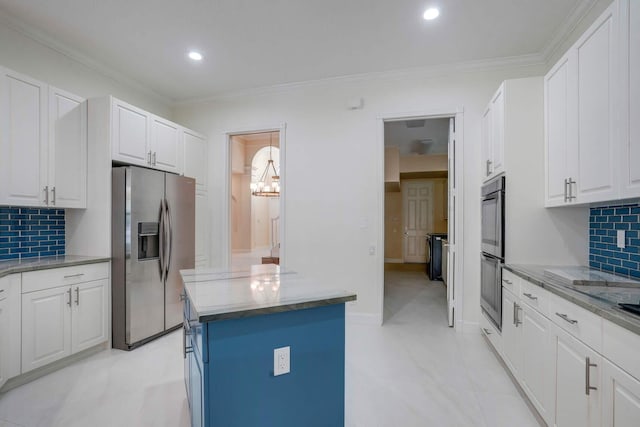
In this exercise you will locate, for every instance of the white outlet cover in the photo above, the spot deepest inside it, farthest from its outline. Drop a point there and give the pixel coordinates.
(621, 242)
(281, 361)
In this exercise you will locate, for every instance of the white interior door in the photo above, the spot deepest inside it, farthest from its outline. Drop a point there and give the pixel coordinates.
(417, 199)
(451, 234)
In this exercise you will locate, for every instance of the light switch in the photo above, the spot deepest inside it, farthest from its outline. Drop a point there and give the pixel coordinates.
(621, 234)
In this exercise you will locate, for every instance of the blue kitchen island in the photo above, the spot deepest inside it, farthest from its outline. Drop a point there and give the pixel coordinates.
(233, 322)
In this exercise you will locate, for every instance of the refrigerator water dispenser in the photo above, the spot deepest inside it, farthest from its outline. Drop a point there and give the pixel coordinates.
(148, 241)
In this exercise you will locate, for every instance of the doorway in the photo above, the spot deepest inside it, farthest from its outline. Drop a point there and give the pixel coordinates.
(420, 217)
(255, 199)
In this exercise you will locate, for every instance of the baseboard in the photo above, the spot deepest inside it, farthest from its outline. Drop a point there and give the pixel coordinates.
(394, 260)
(364, 318)
(52, 367)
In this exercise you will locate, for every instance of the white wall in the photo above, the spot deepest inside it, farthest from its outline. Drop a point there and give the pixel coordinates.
(27, 56)
(332, 209)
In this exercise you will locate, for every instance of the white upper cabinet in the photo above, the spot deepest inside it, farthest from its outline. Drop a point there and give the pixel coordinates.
(166, 145)
(629, 18)
(493, 135)
(23, 140)
(586, 93)
(595, 54)
(43, 144)
(131, 134)
(559, 137)
(67, 149)
(144, 139)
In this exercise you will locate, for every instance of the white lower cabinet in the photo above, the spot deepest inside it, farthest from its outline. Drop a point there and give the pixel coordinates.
(62, 320)
(89, 315)
(577, 388)
(537, 363)
(46, 327)
(555, 351)
(621, 397)
(4, 335)
(511, 348)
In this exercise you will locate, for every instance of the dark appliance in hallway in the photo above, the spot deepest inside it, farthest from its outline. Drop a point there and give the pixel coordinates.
(434, 255)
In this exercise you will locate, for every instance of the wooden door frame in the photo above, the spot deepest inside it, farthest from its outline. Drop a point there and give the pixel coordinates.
(226, 190)
(458, 114)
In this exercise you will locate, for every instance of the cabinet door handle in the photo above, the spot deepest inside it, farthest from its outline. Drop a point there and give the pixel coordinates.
(77, 296)
(486, 331)
(571, 182)
(46, 194)
(566, 193)
(566, 318)
(587, 377)
(53, 195)
(185, 349)
(530, 296)
(74, 275)
(69, 300)
(149, 157)
(508, 282)
(516, 318)
(154, 158)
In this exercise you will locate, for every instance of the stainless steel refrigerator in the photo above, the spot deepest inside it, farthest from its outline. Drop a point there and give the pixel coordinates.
(153, 238)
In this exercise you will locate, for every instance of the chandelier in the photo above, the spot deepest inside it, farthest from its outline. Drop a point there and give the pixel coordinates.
(269, 183)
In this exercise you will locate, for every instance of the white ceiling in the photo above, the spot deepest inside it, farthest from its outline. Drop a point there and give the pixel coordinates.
(430, 138)
(255, 43)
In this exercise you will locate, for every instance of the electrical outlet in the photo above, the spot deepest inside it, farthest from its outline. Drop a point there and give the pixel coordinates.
(621, 242)
(281, 361)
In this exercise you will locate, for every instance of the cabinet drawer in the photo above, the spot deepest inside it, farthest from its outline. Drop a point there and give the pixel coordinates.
(535, 297)
(582, 324)
(489, 330)
(510, 281)
(54, 277)
(622, 347)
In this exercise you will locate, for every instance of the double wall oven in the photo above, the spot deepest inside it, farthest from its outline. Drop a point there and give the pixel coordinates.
(492, 255)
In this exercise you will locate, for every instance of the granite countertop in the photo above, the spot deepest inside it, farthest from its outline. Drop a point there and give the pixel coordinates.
(216, 294)
(601, 298)
(31, 264)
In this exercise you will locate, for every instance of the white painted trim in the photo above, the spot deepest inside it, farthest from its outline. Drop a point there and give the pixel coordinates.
(576, 16)
(393, 261)
(226, 189)
(400, 74)
(362, 318)
(49, 41)
(458, 113)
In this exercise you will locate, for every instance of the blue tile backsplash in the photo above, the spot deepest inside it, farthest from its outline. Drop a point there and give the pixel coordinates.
(604, 254)
(31, 232)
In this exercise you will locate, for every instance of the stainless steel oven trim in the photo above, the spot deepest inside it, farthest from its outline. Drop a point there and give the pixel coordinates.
(495, 315)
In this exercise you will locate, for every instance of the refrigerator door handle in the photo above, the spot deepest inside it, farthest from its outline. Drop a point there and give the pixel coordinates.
(169, 230)
(161, 236)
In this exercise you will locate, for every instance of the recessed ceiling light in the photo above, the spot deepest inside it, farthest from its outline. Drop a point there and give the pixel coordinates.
(196, 56)
(431, 13)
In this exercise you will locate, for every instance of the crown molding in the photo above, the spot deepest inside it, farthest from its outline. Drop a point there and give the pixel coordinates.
(48, 41)
(578, 14)
(399, 74)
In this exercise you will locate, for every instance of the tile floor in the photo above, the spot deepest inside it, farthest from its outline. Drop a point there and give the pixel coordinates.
(413, 371)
